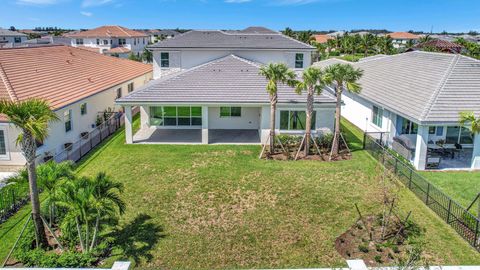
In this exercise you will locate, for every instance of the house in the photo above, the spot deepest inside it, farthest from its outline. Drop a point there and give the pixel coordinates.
(415, 99)
(439, 45)
(322, 38)
(10, 38)
(400, 39)
(78, 84)
(111, 40)
(208, 89)
(157, 35)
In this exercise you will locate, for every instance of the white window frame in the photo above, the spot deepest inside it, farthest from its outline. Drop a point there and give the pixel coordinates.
(130, 87)
(167, 59)
(86, 109)
(65, 120)
(379, 116)
(77, 41)
(118, 93)
(298, 61)
(5, 138)
(230, 112)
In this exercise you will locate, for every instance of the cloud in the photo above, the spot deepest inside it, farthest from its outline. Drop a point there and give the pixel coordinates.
(95, 3)
(237, 1)
(85, 13)
(38, 2)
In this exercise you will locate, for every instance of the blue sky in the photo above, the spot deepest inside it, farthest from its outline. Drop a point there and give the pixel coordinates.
(450, 15)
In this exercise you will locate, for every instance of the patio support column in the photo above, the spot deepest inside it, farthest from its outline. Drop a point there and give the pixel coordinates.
(204, 125)
(476, 152)
(128, 125)
(421, 148)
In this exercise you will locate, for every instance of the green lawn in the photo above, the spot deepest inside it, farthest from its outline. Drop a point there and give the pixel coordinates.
(461, 186)
(198, 207)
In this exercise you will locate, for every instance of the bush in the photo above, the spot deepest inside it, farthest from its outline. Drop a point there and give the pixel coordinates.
(42, 258)
(378, 258)
(334, 53)
(290, 140)
(325, 141)
(363, 248)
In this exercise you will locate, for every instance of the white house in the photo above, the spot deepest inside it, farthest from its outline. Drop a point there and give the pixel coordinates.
(416, 98)
(11, 38)
(78, 84)
(111, 40)
(208, 89)
(400, 39)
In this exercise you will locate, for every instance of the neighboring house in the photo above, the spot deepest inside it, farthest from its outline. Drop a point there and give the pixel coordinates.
(400, 39)
(11, 38)
(158, 35)
(322, 38)
(53, 40)
(111, 40)
(439, 45)
(416, 98)
(336, 34)
(78, 84)
(208, 90)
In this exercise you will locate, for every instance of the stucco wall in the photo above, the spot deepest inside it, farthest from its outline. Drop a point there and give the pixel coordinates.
(80, 123)
(250, 119)
(136, 45)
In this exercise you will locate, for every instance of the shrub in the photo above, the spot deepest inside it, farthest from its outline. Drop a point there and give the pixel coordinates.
(334, 53)
(363, 248)
(290, 140)
(42, 258)
(325, 140)
(378, 258)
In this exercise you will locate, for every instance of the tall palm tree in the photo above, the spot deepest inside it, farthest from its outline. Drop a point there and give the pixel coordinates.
(312, 82)
(276, 73)
(343, 76)
(32, 117)
(319, 54)
(367, 41)
(385, 44)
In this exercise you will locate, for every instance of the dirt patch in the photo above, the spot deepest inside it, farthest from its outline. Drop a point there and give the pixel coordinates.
(366, 242)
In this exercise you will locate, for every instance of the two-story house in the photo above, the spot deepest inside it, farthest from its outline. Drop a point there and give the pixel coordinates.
(208, 89)
(111, 40)
(11, 38)
(400, 39)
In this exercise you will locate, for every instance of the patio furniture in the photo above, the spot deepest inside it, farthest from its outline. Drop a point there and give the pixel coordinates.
(459, 150)
(433, 162)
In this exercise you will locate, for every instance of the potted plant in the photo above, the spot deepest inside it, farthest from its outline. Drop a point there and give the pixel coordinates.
(47, 156)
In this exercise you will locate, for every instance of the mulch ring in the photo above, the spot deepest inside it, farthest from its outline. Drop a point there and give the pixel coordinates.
(280, 155)
(356, 243)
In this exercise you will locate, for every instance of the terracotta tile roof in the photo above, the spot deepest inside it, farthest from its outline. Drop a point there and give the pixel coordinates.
(403, 35)
(108, 31)
(442, 45)
(118, 50)
(90, 49)
(322, 38)
(61, 74)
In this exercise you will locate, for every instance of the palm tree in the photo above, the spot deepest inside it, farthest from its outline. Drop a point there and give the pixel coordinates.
(366, 42)
(470, 119)
(319, 54)
(331, 44)
(344, 76)
(312, 82)
(106, 201)
(289, 32)
(385, 44)
(147, 56)
(410, 43)
(425, 38)
(32, 117)
(276, 73)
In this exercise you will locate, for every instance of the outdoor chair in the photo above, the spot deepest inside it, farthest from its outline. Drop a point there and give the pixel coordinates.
(433, 162)
(459, 150)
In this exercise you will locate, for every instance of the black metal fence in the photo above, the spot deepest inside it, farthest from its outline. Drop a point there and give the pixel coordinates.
(12, 197)
(466, 224)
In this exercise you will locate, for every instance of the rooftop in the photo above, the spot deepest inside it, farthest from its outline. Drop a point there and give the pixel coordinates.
(8, 33)
(230, 79)
(249, 38)
(61, 74)
(322, 38)
(113, 31)
(443, 45)
(403, 35)
(423, 86)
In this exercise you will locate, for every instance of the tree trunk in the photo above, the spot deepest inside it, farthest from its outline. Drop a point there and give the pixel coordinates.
(95, 232)
(273, 108)
(87, 235)
(308, 122)
(338, 111)
(79, 231)
(366, 52)
(29, 150)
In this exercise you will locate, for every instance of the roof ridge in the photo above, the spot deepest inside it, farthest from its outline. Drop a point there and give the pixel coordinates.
(7, 83)
(437, 91)
(281, 34)
(121, 29)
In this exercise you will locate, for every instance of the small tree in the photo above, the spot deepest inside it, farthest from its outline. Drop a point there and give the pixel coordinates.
(147, 56)
(32, 117)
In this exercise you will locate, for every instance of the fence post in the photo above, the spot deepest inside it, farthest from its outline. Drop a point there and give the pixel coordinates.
(396, 166)
(475, 243)
(428, 193)
(364, 139)
(381, 138)
(449, 209)
(410, 180)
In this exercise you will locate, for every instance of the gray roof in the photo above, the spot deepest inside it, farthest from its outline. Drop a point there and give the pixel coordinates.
(423, 86)
(230, 79)
(8, 33)
(250, 38)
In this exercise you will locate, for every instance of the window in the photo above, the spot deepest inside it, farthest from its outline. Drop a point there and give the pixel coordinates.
(299, 60)
(461, 135)
(83, 109)
(98, 41)
(439, 131)
(176, 116)
(295, 120)
(164, 59)
(79, 41)
(432, 130)
(105, 42)
(377, 116)
(18, 39)
(230, 111)
(143, 40)
(67, 118)
(409, 127)
(122, 41)
(134, 41)
(119, 92)
(3, 147)
(130, 87)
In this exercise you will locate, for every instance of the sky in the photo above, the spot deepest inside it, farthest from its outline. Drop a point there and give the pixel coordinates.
(404, 15)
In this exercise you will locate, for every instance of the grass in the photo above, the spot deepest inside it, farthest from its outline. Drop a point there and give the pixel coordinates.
(462, 186)
(199, 207)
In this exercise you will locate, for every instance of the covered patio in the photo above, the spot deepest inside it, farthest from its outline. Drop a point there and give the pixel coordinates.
(194, 136)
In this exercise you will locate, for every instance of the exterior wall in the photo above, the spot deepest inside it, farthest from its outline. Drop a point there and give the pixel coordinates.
(10, 40)
(249, 119)
(136, 45)
(96, 104)
(185, 59)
